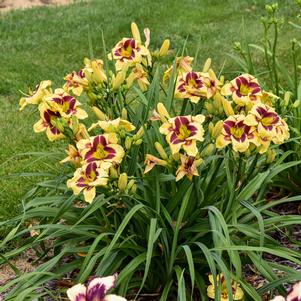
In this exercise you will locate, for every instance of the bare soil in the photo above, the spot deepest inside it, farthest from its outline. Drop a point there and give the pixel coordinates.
(7, 5)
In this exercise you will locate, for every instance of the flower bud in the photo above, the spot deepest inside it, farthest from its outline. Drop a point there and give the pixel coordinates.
(58, 123)
(296, 104)
(122, 181)
(198, 162)
(162, 111)
(128, 142)
(98, 75)
(222, 79)
(130, 184)
(271, 155)
(139, 134)
(161, 150)
(124, 113)
(287, 96)
(164, 48)
(113, 172)
(208, 150)
(269, 8)
(207, 65)
(138, 142)
(118, 80)
(210, 127)
(135, 32)
(227, 107)
(209, 107)
(82, 132)
(133, 189)
(100, 115)
(176, 156)
(217, 129)
(74, 124)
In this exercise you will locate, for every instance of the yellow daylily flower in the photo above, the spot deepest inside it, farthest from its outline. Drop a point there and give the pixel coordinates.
(237, 133)
(101, 148)
(237, 292)
(244, 90)
(265, 118)
(49, 122)
(76, 82)
(36, 97)
(191, 85)
(127, 52)
(66, 104)
(184, 131)
(87, 178)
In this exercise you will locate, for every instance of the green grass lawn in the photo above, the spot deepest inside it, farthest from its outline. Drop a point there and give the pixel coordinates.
(48, 42)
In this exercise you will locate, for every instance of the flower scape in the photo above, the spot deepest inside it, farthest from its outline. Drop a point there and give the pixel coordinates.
(166, 159)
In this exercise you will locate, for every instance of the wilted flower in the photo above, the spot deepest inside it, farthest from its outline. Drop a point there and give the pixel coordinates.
(127, 52)
(237, 293)
(191, 85)
(184, 131)
(96, 290)
(265, 118)
(87, 178)
(140, 75)
(94, 71)
(183, 65)
(101, 148)
(36, 96)
(282, 132)
(188, 167)
(211, 82)
(73, 156)
(66, 104)
(49, 123)
(293, 295)
(268, 98)
(237, 133)
(244, 89)
(76, 82)
(151, 161)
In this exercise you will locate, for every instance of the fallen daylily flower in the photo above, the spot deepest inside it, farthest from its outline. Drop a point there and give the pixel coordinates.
(237, 292)
(95, 290)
